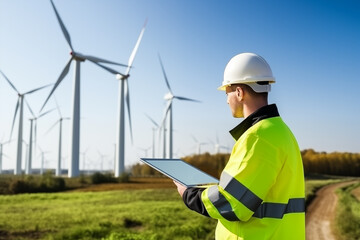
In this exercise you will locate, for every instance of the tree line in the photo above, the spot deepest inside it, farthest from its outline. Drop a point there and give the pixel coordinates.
(335, 163)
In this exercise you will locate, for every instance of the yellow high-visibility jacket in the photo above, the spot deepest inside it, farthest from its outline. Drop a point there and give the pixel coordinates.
(261, 191)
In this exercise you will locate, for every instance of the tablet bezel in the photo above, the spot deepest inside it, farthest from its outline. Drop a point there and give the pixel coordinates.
(145, 160)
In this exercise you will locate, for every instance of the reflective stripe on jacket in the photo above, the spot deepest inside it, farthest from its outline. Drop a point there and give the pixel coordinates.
(261, 191)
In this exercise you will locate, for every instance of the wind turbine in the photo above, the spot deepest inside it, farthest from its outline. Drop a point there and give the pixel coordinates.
(199, 144)
(2, 154)
(218, 146)
(28, 165)
(124, 96)
(145, 150)
(84, 158)
(169, 97)
(77, 58)
(102, 160)
(42, 160)
(19, 105)
(154, 130)
(60, 121)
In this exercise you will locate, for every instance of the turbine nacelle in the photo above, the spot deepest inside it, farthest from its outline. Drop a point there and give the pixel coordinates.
(77, 56)
(122, 77)
(168, 96)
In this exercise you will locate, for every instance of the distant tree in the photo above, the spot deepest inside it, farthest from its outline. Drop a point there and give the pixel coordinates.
(335, 163)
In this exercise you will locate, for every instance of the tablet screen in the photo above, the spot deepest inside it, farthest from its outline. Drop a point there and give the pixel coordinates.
(181, 171)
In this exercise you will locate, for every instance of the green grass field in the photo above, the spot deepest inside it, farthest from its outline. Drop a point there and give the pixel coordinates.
(125, 214)
(121, 214)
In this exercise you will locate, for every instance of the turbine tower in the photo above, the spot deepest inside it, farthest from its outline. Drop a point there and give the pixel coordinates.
(102, 156)
(75, 128)
(42, 160)
(124, 96)
(84, 159)
(33, 140)
(19, 105)
(168, 111)
(2, 154)
(28, 169)
(154, 129)
(60, 121)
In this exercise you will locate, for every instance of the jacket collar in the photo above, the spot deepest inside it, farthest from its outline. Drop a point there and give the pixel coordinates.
(265, 112)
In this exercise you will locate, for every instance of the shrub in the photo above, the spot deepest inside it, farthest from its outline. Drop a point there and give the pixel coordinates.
(124, 178)
(34, 184)
(98, 178)
(51, 184)
(20, 186)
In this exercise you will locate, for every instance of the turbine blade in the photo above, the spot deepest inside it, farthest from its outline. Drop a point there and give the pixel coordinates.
(51, 127)
(107, 68)
(163, 70)
(16, 110)
(165, 114)
(57, 106)
(152, 120)
(8, 141)
(37, 89)
(127, 97)
(41, 115)
(31, 111)
(133, 53)
(186, 99)
(96, 59)
(35, 131)
(61, 77)
(13, 87)
(63, 28)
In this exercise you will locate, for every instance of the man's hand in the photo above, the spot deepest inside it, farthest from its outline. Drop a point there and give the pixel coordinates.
(181, 188)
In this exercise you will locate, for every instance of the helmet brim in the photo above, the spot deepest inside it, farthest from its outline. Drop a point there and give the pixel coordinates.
(256, 87)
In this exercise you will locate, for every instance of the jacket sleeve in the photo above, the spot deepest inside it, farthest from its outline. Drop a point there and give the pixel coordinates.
(192, 199)
(247, 178)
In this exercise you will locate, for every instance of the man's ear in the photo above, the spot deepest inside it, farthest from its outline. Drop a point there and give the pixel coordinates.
(240, 93)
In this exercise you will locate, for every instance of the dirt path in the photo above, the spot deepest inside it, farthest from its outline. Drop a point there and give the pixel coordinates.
(321, 213)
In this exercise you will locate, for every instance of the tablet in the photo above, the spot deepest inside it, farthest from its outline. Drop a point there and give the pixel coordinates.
(181, 171)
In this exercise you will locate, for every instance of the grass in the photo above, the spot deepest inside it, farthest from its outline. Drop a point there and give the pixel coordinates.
(132, 213)
(348, 213)
(125, 214)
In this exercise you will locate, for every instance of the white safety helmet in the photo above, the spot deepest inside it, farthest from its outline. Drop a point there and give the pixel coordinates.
(250, 69)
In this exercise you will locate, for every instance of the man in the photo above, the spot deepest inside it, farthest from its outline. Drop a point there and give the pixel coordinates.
(261, 193)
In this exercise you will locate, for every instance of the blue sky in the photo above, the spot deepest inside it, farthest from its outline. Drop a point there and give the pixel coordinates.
(312, 47)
